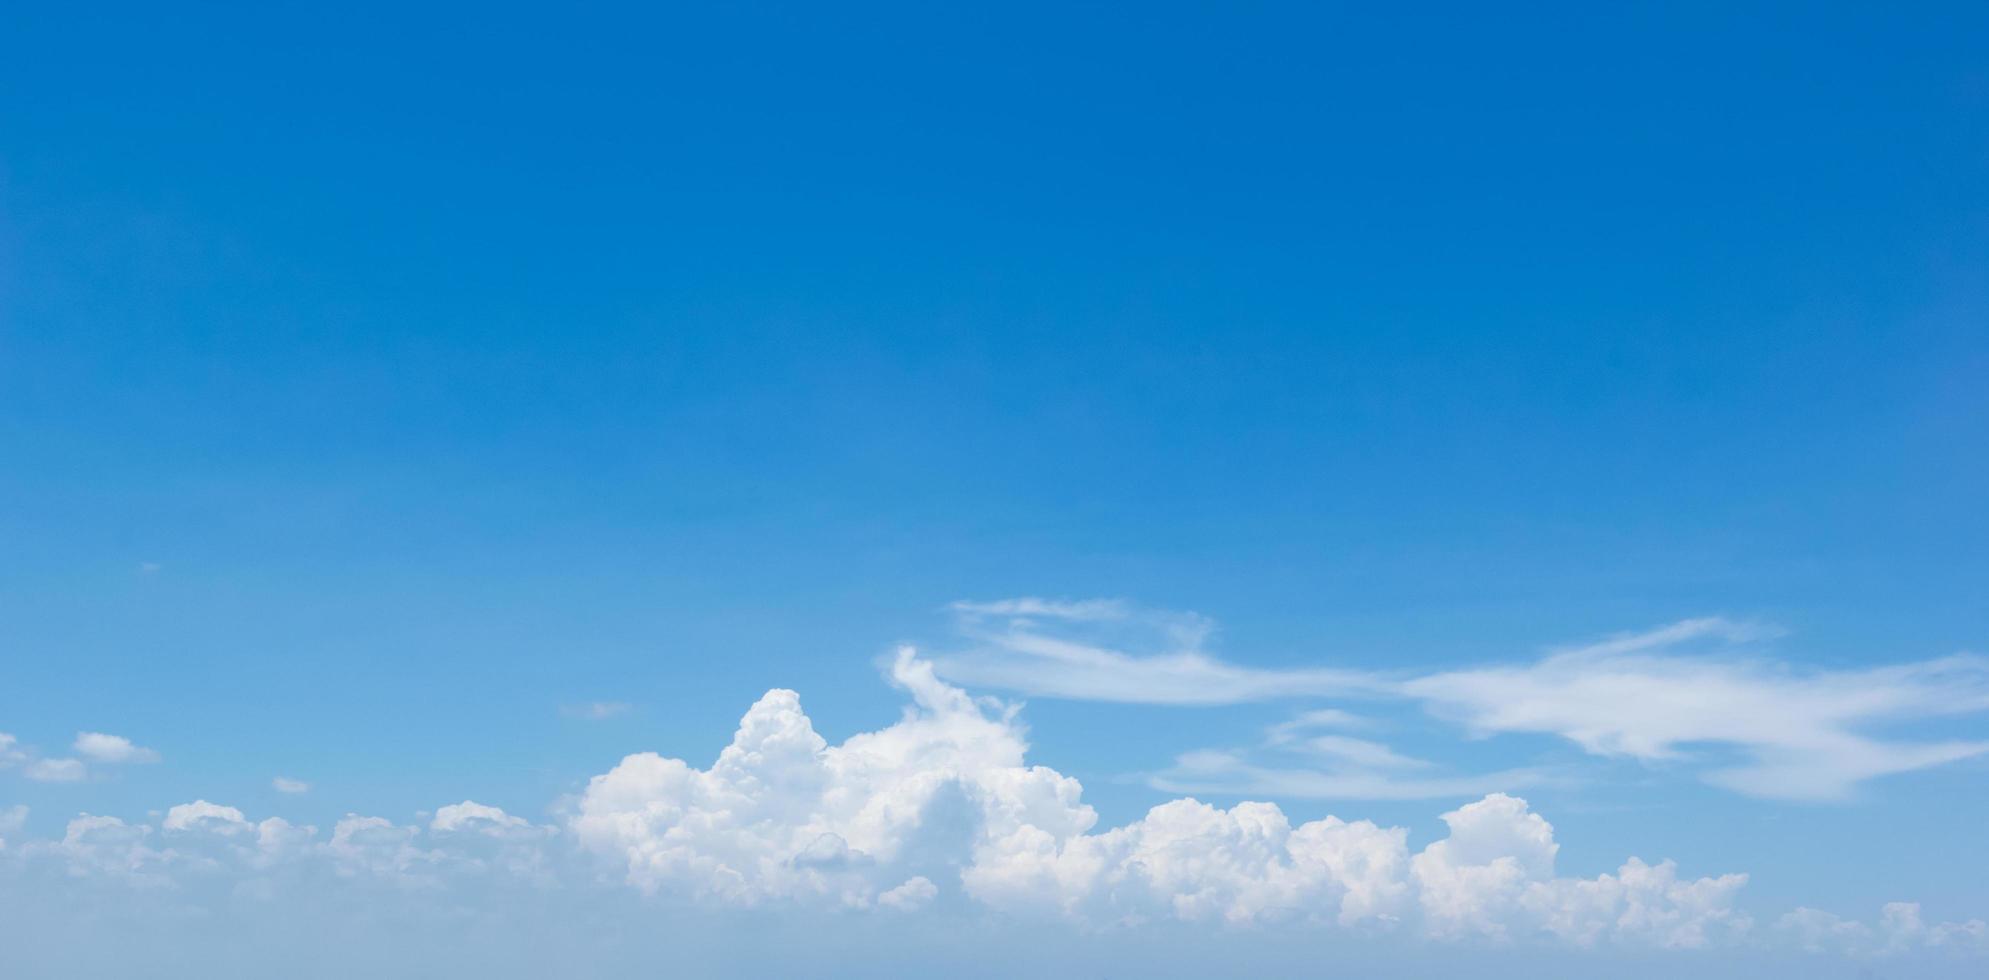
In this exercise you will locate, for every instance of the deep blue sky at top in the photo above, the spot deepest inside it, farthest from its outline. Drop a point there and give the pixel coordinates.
(452, 364)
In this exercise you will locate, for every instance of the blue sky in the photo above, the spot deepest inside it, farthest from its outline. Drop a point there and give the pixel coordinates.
(1365, 413)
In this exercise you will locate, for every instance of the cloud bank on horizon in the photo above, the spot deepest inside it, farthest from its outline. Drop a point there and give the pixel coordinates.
(941, 811)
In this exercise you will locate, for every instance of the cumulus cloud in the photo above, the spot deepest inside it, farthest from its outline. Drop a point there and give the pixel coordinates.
(1900, 928)
(375, 847)
(1191, 861)
(202, 815)
(92, 746)
(10, 751)
(781, 814)
(12, 819)
(1493, 876)
(15, 755)
(210, 838)
(206, 841)
(104, 845)
(942, 809)
(917, 892)
(111, 749)
(470, 816)
(56, 770)
(488, 834)
(784, 816)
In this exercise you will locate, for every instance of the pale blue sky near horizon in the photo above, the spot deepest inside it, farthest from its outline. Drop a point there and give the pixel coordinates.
(380, 387)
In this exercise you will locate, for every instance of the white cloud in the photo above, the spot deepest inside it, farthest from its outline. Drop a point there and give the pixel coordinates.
(1360, 752)
(595, 710)
(1194, 862)
(13, 755)
(1472, 880)
(1032, 607)
(471, 817)
(784, 816)
(114, 749)
(202, 815)
(94, 746)
(278, 839)
(1493, 876)
(1635, 697)
(1231, 774)
(93, 845)
(284, 784)
(56, 770)
(1315, 766)
(944, 801)
(470, 835)
(377, 847)
(1655, 696)
(206, 840)
(917, 892)
(1817, 931)
(1315, 720)
(10, 752)
(1074, 650)
(1899, 929)
(12, 819)
(213, 838)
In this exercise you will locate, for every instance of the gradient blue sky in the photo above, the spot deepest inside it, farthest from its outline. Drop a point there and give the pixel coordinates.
(381, 387)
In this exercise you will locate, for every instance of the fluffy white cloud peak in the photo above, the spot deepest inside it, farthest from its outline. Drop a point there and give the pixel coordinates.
(202, 815)
(471, 817)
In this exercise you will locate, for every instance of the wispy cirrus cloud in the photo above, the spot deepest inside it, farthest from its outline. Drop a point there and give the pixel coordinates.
(1077, 649)
(595, 710)
(1233, 774)
(1306, 758)
(1658, 696)
(1662, 697)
